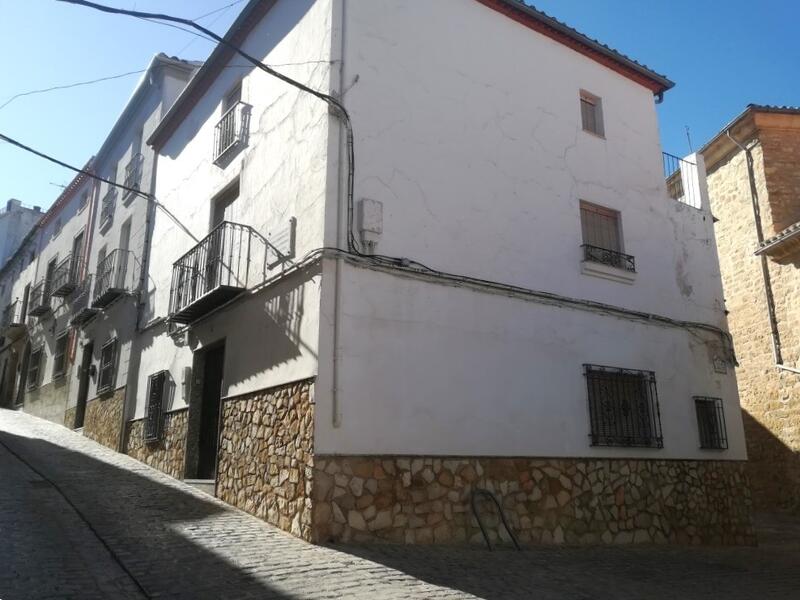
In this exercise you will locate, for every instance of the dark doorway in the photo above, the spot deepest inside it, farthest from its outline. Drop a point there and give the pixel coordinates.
(83, 384)
(211, 393)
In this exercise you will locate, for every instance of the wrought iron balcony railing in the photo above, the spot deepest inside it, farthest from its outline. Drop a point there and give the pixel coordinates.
(211, 273)
(82, 310)
(115, 277)
(39, 303)
(108, 205)
(682, 180)
(231, 131)
(67, 276)
(133, 176)
(12, 317)
(611, 258)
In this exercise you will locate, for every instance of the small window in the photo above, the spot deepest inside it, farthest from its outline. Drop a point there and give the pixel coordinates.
(623, 407)
(601, 229)
(232, 98)
(83, 200)
(57, 227)
(154, 409)
(592, 114)
(60, 355)
(35, 367)
(105, 376)
(711, 423)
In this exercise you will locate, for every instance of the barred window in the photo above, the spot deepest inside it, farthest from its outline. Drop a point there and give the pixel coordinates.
(154, 409)
(711, 423)
(105, 379)
(34, 367)
(623, 407)
(60, 355)
(592, 113)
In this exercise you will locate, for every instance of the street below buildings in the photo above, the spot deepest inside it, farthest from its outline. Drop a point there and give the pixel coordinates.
(78, 520)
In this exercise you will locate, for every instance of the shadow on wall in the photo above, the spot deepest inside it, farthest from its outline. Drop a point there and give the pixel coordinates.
(774, 468)
(149, 523)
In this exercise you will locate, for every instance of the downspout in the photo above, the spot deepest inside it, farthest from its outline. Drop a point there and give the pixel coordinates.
(336, 419)
(767, 281)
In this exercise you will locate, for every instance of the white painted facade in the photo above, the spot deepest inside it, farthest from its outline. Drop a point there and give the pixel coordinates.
(16, 221)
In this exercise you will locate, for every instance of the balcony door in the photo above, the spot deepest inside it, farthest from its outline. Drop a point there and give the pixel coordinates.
(122, 255)
(77, 252)
(222, 210)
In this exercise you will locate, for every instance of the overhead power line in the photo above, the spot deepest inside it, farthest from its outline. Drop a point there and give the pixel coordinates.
(61, 163)
(332, 102)
(68, 86)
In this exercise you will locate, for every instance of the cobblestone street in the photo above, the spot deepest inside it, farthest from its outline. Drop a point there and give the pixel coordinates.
(80, 521)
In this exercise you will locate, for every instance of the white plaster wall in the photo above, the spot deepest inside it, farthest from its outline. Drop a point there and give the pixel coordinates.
(433, 369)
(15, 225)
(468, 130)
(271, 338)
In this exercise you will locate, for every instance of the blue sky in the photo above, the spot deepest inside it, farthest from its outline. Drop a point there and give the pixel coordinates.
(722, 54)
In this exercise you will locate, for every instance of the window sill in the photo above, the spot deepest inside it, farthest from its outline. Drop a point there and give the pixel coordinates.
(594, 134)
(596, 269)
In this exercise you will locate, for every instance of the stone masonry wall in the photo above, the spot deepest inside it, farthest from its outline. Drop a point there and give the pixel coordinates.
(576, 501)
(770, 398)
(167, 454)
(266, 461)
(103, 419)
(69, 417)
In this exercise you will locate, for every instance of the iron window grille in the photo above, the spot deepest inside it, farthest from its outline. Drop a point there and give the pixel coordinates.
(711, 423)
(39, 303)
(34, 368)
(154, 409)
(12, 315)
(133, 176)
(230, 130)
(619, 260)
(60, 355)
(623, 407)
(107, 205)
(105, 377)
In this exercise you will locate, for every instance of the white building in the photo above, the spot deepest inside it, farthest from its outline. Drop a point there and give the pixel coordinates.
(551, 328)
(16, 221)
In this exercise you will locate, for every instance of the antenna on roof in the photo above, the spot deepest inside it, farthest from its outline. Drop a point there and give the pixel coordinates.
(689, 139)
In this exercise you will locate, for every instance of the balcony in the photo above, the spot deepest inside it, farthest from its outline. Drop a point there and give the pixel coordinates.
(107, 206)
(115, 277)
(67, 276)
(82, 311)
(213, 272)
(682, 178)
(133, 176)
(231, 132)
(611, 258)
(39, 303)
(12, 322)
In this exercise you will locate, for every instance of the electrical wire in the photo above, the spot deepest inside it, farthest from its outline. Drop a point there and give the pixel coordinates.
(68, 86)
(336, 106)
(222, 10)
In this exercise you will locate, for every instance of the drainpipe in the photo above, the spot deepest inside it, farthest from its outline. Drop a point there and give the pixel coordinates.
(773, 320)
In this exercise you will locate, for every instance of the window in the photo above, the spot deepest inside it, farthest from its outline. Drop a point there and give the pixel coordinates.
(232, 98)
(57, 227)
(60, 355)
(105, 376)
(711, 423)
(601, 229)
(83, 200)
(623, 407)
(34, 368)
(592, 114)
(154, 410)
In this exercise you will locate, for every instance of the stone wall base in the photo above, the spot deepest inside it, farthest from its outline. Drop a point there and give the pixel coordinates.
(265, 463)
(103, 419)
(425, 500)
(167, 454)
(69, 417)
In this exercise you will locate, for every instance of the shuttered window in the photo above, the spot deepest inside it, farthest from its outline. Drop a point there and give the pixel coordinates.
(592, 113)
(105, 378)
(34, 367)
(60, 355)
(601, 227)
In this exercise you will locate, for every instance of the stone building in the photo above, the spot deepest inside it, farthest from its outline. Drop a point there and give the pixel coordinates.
(508, 288)
(16, 221)
(754, 186)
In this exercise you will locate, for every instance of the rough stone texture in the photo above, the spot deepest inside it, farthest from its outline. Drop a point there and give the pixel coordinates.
(770, 398)
(167, 454)
(69, 417)
(103, 419)
(266, 461)
(417, 500)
